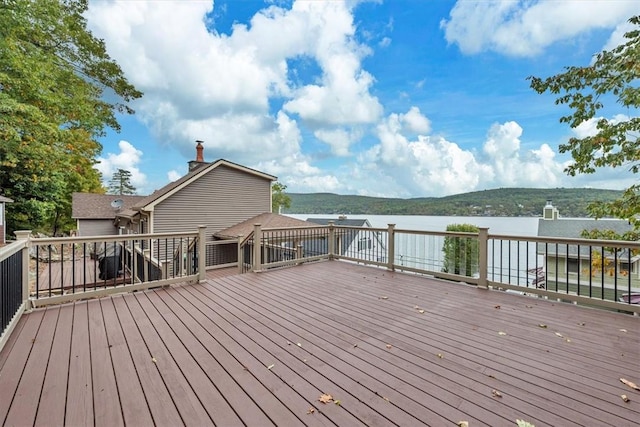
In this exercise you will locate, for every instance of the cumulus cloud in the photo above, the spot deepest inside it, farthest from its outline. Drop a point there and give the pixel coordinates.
(525, 28)
(128, 159)
(173, 175)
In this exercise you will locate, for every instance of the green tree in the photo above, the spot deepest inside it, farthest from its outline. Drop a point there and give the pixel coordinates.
(279, 199)
(461, 253)
(611, 78)
(53, 75)
(120, 183)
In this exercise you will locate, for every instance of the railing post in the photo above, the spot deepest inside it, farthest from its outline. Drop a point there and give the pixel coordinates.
(25, 235)
(483, 259)
(391, 247)
(332, 240)
(240, 255)
(257, 243)
(202, 253)
(299, 252)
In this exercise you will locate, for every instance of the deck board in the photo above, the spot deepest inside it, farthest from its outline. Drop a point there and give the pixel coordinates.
(226, 353)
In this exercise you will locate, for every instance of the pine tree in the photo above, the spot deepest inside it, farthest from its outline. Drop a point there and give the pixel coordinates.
(120, 183)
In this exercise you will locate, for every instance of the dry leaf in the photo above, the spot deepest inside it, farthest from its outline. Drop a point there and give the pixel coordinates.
(497, 306)
(567, 340)
(440, 355)
(559, 334)
(153, 359)
(421, 311)
(623, 330)
(502, 333)
(630, 384)
(386, 398)
(299, 344)
(311, 410)
(581, 323)
(389, 346)
(384, 297)
(288, 342)
(325, 398)
(523, 423)
(542, 325)
(624, 397)
(270, 366)
(337, 402)
(496, 393)
(355, 345)
(463, 424)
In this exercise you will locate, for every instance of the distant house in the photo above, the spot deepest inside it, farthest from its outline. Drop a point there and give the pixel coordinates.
(3, 201)
(99, 214)
(573, 259)
(217, 194)
(362, 244)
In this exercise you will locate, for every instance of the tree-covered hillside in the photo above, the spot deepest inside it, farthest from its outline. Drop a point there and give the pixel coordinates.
(571, 202)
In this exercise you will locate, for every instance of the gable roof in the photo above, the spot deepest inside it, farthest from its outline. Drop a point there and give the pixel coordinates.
(572, 227)
(163, 193)
(266, 220)
(98, 206)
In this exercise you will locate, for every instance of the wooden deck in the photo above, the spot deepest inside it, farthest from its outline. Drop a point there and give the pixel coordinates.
(260, 349)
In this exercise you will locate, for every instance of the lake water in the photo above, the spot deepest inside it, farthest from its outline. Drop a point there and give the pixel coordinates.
(520, 226)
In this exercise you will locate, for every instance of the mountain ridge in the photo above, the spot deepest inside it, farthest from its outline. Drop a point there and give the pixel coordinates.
(526, 202)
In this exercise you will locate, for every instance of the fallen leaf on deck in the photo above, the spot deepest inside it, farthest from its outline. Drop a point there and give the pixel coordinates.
(386, 398)
(355, 345)
(389, 346)
(630, 384)
(624, 397)
(581, 323)
(559, 334)
(421, 311)
(502, 333)
(384, 297)
(567, 340)
(153, 359)
(311, 411)
(288, 342)
(440, 355)
(299, 344)
(497, 306)
(463, 424)
(270, 366)
(523, 423)
(337, 402)
(542, 325)
(623, 330)
(326, 398)
(496, 393)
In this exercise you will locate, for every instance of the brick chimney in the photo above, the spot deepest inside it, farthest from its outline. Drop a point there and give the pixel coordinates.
(199, 161)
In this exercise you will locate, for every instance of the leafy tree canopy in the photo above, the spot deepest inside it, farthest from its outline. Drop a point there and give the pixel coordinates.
(613, 77)
(461, 253)
(120, 183)
(53, 75)
(278, 197)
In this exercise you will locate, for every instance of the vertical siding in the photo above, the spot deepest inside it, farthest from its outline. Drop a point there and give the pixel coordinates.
(223, 197)
(96, 227)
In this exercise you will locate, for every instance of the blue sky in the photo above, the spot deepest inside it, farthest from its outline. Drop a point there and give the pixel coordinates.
(382, 98)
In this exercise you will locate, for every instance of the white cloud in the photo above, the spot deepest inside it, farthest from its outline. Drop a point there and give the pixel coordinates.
(128, 159)
(589, 127)
(525, 28)
(173, 175)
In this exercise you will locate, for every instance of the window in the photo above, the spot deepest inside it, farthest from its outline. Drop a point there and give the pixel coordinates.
(573, 265)
(364, 243)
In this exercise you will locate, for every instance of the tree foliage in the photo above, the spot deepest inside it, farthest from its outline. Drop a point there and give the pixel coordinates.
(613, 77)
(461, 253)
(279, 199)
(120, 183)
(53, 79)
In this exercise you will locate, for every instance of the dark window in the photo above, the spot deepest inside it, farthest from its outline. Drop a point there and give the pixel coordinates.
(573, 265)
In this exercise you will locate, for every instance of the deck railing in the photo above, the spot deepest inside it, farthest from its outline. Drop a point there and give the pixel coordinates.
(601, 273)
(13, 285)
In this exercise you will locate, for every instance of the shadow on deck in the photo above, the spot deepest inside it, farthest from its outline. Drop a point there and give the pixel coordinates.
(260, 349)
